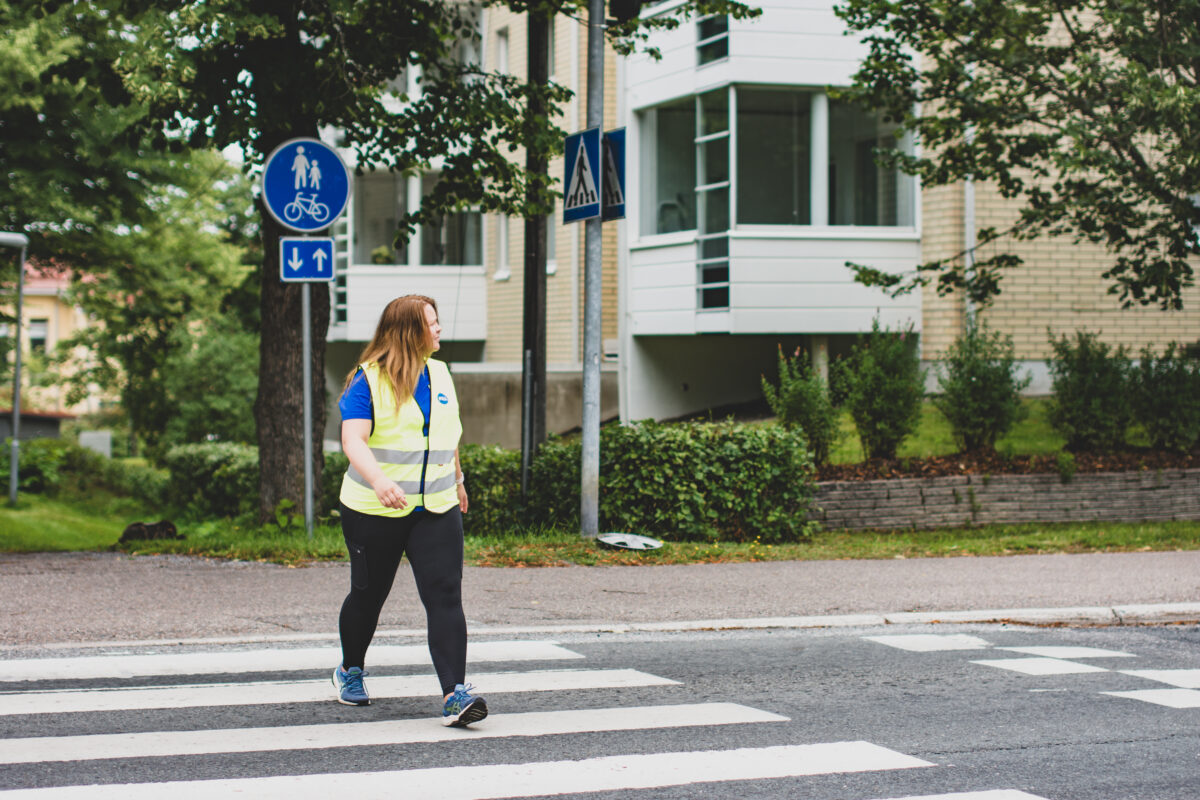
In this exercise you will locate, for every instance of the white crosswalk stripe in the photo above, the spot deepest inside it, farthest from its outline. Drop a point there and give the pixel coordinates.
(635, 771)
(306, 691)
(269, 660)
(364, 734)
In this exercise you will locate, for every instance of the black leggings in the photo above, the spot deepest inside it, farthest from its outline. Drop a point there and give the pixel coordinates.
(434, 546)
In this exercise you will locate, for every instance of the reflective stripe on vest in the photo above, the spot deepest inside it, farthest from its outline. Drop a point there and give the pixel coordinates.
(403, 452)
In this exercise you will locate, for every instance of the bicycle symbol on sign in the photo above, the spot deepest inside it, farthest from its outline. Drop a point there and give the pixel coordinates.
(305, 205)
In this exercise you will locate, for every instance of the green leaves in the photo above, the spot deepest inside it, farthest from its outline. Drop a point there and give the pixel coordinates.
(1089, 111)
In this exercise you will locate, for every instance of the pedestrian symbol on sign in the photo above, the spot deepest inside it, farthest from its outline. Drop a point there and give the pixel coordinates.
(305, 185)
(582, 191)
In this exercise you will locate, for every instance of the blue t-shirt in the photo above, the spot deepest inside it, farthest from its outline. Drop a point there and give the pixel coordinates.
(356, 403)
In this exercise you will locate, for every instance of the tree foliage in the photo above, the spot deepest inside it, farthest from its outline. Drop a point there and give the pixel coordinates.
(157, 292)
(1088, 111)
(73, 153)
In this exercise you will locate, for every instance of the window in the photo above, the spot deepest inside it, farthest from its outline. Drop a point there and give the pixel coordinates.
(551, 57)
(712, 34)
(773, 162)
(501, 60)
(712, 198)
(503, 267)
(668, 189)
(379, 204)
(39, 330)
(860, 191)
(552, 243)
(454, 240)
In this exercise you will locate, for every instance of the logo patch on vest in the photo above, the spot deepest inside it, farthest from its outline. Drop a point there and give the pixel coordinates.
(442, 398)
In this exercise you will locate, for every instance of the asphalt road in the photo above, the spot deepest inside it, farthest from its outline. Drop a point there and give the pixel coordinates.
(852, 714)
(88, 597)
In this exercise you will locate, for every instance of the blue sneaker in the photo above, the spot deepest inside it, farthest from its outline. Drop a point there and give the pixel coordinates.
(462, 709)
(349, 684)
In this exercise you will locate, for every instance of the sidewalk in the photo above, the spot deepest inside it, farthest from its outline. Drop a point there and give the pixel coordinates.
(93, 597)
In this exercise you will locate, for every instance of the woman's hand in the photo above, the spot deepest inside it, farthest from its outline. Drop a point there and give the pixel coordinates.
(462, 498)
(389, 494)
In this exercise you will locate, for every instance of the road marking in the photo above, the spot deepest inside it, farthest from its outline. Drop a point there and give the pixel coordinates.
(1069, 652)
(989, 794)
(1041, 666)
(272, 660)
(609, 773)
(390, 732)
(309, 691)
(1183, 678)
(1172, 698)
(930, 642)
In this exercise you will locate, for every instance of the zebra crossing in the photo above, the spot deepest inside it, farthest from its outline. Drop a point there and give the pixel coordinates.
(107, 691)
(1041, 660)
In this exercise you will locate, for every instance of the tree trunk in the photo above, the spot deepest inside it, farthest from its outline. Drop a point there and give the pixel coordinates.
(279, 406)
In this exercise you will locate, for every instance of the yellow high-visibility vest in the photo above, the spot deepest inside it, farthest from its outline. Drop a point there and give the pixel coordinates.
(402, 450)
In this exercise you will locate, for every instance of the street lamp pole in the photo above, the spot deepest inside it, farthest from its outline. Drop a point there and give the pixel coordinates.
(22, 241)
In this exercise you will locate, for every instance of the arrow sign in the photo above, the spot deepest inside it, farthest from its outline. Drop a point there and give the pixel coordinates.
(305, 259)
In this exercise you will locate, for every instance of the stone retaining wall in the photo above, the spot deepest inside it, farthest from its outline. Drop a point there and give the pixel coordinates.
(990, 499)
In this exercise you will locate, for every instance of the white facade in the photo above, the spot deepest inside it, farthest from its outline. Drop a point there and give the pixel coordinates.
(748, 191)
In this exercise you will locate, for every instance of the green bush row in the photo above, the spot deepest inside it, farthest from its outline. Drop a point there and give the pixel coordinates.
(216, 480)
(48, 466)
(684, 481)
(1098, 392)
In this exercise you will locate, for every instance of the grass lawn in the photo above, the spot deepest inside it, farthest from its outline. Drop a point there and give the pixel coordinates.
(53, 524)
(95, 521)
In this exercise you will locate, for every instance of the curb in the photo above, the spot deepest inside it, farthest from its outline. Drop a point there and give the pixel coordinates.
(1133, 614)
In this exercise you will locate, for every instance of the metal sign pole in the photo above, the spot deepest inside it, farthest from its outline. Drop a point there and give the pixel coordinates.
(589, 511)
(22, 241)
(306, 327)
(305, 187)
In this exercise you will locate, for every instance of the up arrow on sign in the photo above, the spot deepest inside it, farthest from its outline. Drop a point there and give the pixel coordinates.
(305, 259)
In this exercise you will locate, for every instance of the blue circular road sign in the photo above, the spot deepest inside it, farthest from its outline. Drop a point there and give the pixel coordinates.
(305, 185)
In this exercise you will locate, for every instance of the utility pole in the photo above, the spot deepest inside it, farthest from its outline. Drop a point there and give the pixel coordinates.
(533, 371)
(589, 511)
(21, 241)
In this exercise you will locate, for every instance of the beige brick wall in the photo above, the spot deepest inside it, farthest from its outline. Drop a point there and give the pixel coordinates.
(941, 237)
(1059, 287)
(564, 312)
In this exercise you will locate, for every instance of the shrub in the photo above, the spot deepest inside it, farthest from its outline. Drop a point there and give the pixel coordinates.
(1167, 398)
(554, 482)
(493, 477)
(1091, 406)
(331, 480)
(981, 393)
(699, 481)
(40, 466)
(801, 402)
(214, 479)
(884, 385)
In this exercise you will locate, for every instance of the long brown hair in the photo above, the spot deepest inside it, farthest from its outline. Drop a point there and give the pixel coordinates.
(401, 345)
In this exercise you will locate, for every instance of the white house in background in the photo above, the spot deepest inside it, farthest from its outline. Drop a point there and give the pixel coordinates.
(749, 189)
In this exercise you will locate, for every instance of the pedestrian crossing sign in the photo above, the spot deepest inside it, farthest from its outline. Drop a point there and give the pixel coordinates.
(581, 199)
(613, 182)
